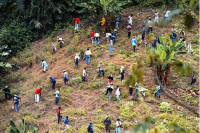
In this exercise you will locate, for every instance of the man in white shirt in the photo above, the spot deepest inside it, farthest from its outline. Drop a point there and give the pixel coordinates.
(150, 29)
(108, 36)
(156, 17)
(76, 59)
(96, 36)
(60, 40)
(118, 126)
(84, 74)
(66, 77)
(117, 93)
(167, 13)
(57, 96)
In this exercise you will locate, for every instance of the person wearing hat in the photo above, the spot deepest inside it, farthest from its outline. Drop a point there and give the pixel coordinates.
(6, 92)
(88, 54)
(53, 81)
(38, 95)
(16, 102)
(133, 42)
(60, 40)
(100, 69)
(129, 30)
(66, 77)
(122, 72)
(90, 128)
(114, 34)
(107, 123)
(108, 37)
(76, 59)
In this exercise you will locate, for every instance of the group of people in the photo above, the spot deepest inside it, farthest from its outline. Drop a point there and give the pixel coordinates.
(95, 38)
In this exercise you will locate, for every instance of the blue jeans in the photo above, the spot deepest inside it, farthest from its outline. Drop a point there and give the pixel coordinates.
(97, 41)
(118, 130)
(100, 71)
(87, 59)
(110, 96)
(59, 118)
(76, 27)
(16, 107)
(117, 25)
(150, 29)
(92, 39)
(53, 85)
(118, 98)
(133, 48)
(113, 39)
(193, 22)
(57, 100)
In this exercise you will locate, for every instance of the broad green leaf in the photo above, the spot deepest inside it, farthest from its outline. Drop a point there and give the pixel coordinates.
(8, 65)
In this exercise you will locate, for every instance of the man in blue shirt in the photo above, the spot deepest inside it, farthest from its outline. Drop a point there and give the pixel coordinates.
(133, 42)
(66, 122)
(90, 129)
(16, 102)
(53, 81)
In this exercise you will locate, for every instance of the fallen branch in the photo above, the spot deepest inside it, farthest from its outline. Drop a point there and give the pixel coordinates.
(175, 99)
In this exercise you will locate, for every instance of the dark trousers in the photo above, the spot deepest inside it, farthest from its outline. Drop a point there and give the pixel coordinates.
(61, 44)
(133, 48)
(122, 76)
(53, 85)
(56, 100)
(107, 128)
(150, 29)
(65, 80)
(59, 118)
(193, 81)
(83, 79)
(113, 39)
(76, 63)
(101, 71)
(129, 35)
(6, 95)
(130, 90)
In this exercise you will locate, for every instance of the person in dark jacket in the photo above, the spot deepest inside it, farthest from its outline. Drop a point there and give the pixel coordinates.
(7, 92)
(110, 78)
(90, 128)
(53, 81)
(107, 123)
(193, 79)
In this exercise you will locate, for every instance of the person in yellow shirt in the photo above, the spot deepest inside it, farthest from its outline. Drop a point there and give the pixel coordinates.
(88, 54)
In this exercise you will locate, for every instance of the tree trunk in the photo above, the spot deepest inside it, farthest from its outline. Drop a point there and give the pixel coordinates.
(167, 71)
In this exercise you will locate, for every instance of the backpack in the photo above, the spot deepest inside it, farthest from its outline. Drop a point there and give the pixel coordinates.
(120, 125)
(89, 128)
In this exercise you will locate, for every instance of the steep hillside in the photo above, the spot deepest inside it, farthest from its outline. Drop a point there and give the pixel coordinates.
(86, 101)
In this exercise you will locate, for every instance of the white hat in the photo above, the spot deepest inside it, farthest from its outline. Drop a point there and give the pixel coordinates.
(122, 67)
(15, 95)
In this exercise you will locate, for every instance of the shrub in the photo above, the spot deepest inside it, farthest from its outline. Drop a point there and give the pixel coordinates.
(165, 107)
(126, 111)
(111, 68)
(76, 80)
(37, 59)
(95, 84)
(70, 49)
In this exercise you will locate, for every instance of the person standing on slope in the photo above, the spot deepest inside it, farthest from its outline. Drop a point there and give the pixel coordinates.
(76, 59)
(66, 77)
(114, 34)
(117, 93)
(107, 123)
(53, 81)
(129, 30)
(16, 102)
(118, 126)
(133, 42)
(90, 128)
(59, 114)
(38, 95)
(77, 21)
(88, 54)
(57, 96)
(66, 122)
(44, 65)
(92, 36)
(6, 92)
(84, 74)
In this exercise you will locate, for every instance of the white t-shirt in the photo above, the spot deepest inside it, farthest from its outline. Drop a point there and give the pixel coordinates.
(118, 123)
(117, 93)
(149, 23)
(57, 93)
(84, 73)
(77, 57)
(156, 15)
(65, 74)
(60, 39)
(108, 34)
(96, 35)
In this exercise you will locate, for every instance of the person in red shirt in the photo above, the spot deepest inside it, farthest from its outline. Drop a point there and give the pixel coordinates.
(38, 95)
(92, 36)
(59, 114)
(77, 21)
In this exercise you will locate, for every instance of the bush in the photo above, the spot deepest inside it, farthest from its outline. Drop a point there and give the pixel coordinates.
(37, 58)
(95, 84)
(165, 107)
(70, 49)
(126, 111)
(76, 80)
(111, 68)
